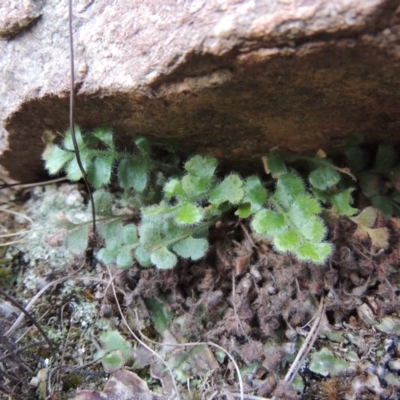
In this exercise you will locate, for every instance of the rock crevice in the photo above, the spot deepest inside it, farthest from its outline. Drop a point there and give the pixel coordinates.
(228, 78)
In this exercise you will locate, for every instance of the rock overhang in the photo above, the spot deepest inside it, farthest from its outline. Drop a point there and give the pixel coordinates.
(233, 89)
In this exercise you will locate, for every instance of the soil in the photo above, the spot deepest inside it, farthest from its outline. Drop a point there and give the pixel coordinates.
(259, 306)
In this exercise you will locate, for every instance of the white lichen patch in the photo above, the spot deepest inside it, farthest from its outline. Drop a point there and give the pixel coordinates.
(45, 208)
(42, 258)
(40, 255)
(85, 314)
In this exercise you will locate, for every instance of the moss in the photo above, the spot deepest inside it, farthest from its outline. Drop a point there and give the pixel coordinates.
(72, 381)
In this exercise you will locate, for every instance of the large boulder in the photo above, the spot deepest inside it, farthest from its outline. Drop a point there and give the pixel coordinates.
(225, 77)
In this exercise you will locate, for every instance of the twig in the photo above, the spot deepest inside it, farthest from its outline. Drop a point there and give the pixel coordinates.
(62, 358)
(192, 344)
(17, 214)
(239, 322)
(78, 278)
(29, 315)
(71, 120)
(13, 353)
(137, 338)
(29, 329)
(307, 345)
(250, 397)
(32, 184)
(12, 395)
(248, 236)
(12, 242)
(23, 232)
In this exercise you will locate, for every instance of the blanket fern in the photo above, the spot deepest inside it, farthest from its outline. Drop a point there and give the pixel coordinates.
(177, 206)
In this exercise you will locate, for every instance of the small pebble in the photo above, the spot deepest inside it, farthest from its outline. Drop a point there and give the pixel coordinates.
(394, 364)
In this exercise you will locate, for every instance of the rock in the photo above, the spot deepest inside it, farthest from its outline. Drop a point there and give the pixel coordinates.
(17, 15)
(228, 78)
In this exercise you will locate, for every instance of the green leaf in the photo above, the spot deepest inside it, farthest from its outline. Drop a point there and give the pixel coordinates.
(113, 361)
(313, 229)
(106, 136)
(108, 255)
(391, 326)
(195, 187)
(365, 225)
(395, 196)
(394, 176)
(254, 193)
(274, 165)
(379, 237)
(315, 252)
(201, 166)
(356, 159)
(72, 169)
(77, 239)
(386, 157)
(132, 172)
(367, 217)
(143, 257)
(341, 201)
(188, 214)
(287, 241)
(170, 230)
(268, 221)
(149, 234)
(372, 184)
(124, 258)
(129, 234)
(69, 144)
(173, 188)
(384, 204)
(102, 202)
(99, 171)
(230, 189)
(288, 187)
(55, 158)
(303, 208)
(321, 195)
(324, 363)
(163, 258)
(143, 145)
(324, 177)
(157, 210)
(112, 233)
(191, 248)
(159, 313)
(113, 340)
(244, 210)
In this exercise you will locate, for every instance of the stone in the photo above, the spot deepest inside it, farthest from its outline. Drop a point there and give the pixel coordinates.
(17, 15)
(228, 78)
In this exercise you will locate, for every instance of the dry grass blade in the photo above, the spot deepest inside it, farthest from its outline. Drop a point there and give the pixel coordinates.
(30, 316)
(23, 232)
(12, 242)
(212, 344)
(138, 339)
(17, 214)
(251, 397)
(50, 284)
(307, 345)
(35, 184)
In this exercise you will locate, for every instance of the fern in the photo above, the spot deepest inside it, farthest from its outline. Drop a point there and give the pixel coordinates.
(292, 221)
(379, 176)
(175, 209)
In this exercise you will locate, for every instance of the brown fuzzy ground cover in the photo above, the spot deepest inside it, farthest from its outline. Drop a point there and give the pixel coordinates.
(256, 304)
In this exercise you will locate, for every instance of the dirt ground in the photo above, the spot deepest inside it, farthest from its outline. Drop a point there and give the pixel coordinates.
(243, 307)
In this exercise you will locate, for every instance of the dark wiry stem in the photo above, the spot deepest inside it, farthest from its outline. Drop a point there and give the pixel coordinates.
(28, 314)
(71, 120)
